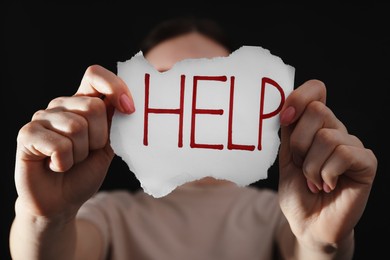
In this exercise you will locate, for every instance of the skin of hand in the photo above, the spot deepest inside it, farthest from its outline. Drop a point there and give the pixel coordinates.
(326, 174)
(63, 153)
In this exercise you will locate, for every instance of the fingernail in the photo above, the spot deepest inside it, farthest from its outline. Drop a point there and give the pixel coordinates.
(126, 104)
(326, 188)
(313, 188)
(287, 116)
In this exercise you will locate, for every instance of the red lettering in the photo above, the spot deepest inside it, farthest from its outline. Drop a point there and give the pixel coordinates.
(230, 144)
(179, 111)
(196, 110)
(263, 116)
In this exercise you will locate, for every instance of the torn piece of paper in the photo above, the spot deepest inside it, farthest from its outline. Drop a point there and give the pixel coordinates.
(204, 117)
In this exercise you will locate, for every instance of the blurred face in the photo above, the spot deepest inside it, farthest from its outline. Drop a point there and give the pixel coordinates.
(191, 45)
(187, 46)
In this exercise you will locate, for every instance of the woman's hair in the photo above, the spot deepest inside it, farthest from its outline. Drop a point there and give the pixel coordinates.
(182, 25)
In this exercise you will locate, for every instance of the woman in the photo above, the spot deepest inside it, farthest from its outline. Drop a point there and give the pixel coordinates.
(325, 177)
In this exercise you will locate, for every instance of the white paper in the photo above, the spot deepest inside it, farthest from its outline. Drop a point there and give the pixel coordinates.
(204, 117)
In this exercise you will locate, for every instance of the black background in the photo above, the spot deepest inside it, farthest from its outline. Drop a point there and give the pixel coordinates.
(47, 47)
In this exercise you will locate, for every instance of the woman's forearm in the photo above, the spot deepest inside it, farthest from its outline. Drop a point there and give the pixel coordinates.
(34, 237)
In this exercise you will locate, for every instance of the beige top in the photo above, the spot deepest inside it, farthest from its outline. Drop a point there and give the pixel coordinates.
(192, 222)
